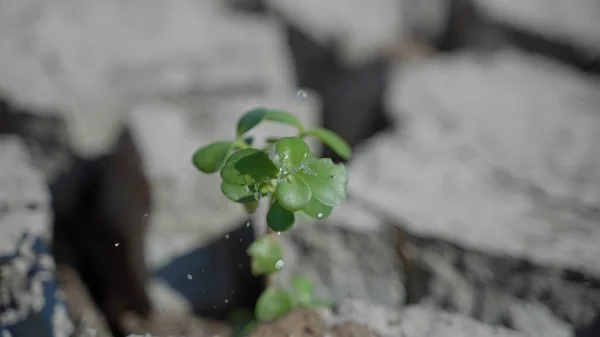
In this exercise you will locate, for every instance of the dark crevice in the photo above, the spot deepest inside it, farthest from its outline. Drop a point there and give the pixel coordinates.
(469, 29)
(101, 207)
(352, 98)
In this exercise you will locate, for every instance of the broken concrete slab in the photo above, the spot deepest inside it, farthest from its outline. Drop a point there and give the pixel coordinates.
(529, 118)
(89, 61)
(574, 23)
(481, 185)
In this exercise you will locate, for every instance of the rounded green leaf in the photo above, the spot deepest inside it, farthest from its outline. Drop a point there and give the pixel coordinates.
(290, 152)
(327, 181)
(284, 117)
(316, 209)
(266, 254)
(273, 303)
(303, 290)
(333, 140)
(239, 193)
(293, 193)
(248, 167)
(280, 219)
(212, 157)
(249, 120)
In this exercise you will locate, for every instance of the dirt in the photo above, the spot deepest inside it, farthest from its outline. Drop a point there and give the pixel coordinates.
(308, 323)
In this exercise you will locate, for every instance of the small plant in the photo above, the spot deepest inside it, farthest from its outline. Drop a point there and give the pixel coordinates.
(292, 179)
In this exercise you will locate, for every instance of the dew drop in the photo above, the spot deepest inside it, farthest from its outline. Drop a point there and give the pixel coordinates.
(301, 95)
(189, 276)
(279, 264)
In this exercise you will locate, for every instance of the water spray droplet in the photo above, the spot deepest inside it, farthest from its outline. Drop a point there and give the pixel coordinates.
(189, 276)
(226, 236)
(301, 95)
(117, 244)
(279, 264)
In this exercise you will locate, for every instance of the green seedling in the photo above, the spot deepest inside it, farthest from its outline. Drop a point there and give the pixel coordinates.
(292, 179)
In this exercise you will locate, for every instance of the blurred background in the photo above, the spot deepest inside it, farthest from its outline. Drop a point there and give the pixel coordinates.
(474, 184)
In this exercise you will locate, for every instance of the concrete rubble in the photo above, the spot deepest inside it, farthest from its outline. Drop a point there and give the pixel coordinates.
(495, 188)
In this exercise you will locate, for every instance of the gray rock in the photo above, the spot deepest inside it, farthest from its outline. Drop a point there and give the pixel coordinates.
(570, 22)
(479, 179)
(89, 61)
(416, 321)
(344, 263)
(24, 197)
(537, 321)
(363, 31)
(28, 296)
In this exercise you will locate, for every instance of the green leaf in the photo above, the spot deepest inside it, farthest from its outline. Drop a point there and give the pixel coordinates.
(251, 206)
(255, 116)
(212, 157)
(248, 167)
(328, 182)
(280, 219)
(291, 152)
(303, 290)
(316, 209)
(266, 254)
(333, 140)
(250, 119)
(273, 303)
(293, 193)
(284, 117)
(238, 193)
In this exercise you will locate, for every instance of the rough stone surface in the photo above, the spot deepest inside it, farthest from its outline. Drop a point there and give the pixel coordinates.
(24, 197)
(88, 60)
(571, 22)
(415, 321)
(362, 30)
(494, 142)
(344, 263)
(30, 302)
(493, 179)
